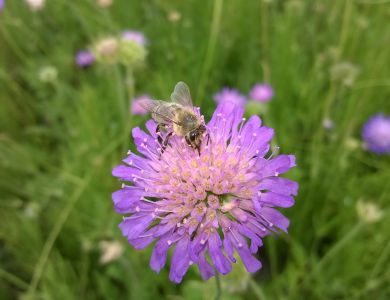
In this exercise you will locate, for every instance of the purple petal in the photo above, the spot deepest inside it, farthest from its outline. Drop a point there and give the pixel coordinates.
(125, 199)
(274, 199)
(132, 228)
(205, 269)
(159, 254)
(279, 185)
(250, 262)
(180, 260)
(275, 217)
(219, 260)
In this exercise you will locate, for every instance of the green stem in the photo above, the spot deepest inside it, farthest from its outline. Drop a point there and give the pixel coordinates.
(345, 27)
(215, 26)
(218, 284)
(62, 218)
(335, 249)
(121, 94)
(13, 279)
(264, 41)
(257, 290)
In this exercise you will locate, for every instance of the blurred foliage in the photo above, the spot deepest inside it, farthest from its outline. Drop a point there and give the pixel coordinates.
(63, 130)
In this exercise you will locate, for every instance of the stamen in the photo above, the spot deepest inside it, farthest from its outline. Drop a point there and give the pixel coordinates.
(241, 124)
(262, 228)
(276, 149)
(147, 200)
(235, 237)
(270, 224)
(142, 178)
(163, 210)
(146, 235)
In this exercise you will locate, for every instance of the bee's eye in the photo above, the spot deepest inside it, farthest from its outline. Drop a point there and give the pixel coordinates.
(192, 136)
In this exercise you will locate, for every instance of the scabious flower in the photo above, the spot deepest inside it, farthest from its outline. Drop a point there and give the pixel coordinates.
(1, 5)
(174, 16)
(104, 3)
(135, 36)
(230, 95)
(368, 211)
(48, 74)
(345, 72)
(261, 92)
(132, 50)
(84, 58)
(110, 251)
(206, 206)
(136, 108)
(328, 124)
(376, 134)
(106, 50)
(35, 5)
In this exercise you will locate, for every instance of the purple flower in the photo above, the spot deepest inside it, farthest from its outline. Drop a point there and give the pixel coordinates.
(1, 5)
(84, 58)
(261, 92)
(376, 134)
(230, 95)
(206, 206)
(328, 123)
(136, 108)
(135, 36)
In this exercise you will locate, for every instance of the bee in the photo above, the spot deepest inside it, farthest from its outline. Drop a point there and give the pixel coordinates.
(177, 117)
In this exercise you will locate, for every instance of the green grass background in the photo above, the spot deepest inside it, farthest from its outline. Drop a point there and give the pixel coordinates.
(60, 140)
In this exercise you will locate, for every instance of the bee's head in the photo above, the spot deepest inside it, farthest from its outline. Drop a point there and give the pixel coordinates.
(197, 133)
(194, 137)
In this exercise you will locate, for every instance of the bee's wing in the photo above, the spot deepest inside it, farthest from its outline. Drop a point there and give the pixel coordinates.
(162, 112)
(181, 95)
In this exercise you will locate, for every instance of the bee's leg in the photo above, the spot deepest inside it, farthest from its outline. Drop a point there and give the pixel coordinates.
(208, 139)
(158, 132)
(165, 143)
(198, 148)
(188, 141)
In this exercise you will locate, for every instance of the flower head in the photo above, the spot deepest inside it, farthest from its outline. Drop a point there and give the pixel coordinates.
(1, 5)
(368, 211)
(136, 108)
(35, 5)
(84, 58)
(376, 134)
(111, 251)
(104, 3)
(135, 36)
(206, 205)
(47, 73)
(230, 95)
(328, 123)
(261, 92)
(344, 72)
(132, 50)
(106, 50)
(174, 16)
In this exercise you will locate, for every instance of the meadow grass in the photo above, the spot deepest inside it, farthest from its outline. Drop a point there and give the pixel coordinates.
(59, 141)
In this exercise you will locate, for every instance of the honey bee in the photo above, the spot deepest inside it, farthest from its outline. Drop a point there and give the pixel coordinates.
(177, 117)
